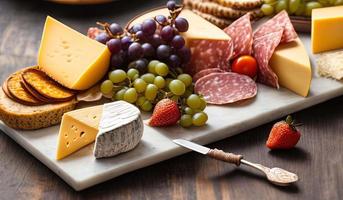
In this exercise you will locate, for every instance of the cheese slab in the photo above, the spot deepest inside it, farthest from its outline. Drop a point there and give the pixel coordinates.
(211, 47)
(291, 63)
(69, 57)
(327, 28)
(78, 129)
(117, 127)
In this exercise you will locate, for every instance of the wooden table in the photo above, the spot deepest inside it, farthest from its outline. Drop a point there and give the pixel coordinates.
(317, 159)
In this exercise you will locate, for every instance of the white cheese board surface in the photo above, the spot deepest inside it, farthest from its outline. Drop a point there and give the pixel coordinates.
(81, 169)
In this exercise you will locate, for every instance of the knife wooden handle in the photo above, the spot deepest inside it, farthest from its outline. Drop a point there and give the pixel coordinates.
(226, 157)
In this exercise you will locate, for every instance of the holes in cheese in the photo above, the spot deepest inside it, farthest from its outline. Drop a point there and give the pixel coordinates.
(78, 129)
(69, 57)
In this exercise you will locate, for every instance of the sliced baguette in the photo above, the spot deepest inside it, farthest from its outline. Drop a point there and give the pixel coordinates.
(24, 117)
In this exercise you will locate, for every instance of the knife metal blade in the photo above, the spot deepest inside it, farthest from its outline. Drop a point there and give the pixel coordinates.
(191, 145)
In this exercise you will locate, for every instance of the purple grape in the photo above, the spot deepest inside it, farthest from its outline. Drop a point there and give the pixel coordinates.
(161, 19)
(114, 45)
(136, 28)
(140, 35)
(116, 29)
(163, 51)
(149, 27)
(171, 5)
(125, 42)
(181, 24)
(135, 51)
(177, 42)
(185, 54)
(140, 65)
(167, 33)
(102, 37)
(174, 61)
(156, 40)
(148, 50)
(116, 60)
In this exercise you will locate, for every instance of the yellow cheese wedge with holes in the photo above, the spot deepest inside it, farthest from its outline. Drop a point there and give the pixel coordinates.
(71, 58)
(291, 64)
(78, 129)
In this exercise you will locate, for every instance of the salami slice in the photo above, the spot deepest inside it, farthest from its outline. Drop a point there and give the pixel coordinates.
(281, 20)
(242, 37)
(209, 54)
(264, 48)
(205, 72)
(224, 88)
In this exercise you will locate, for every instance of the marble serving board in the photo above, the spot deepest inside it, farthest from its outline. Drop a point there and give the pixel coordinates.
(82, 170)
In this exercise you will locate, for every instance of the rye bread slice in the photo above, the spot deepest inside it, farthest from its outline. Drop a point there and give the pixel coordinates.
(19, 116)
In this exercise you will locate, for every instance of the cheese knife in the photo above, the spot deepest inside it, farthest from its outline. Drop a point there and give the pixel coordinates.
(275, 175)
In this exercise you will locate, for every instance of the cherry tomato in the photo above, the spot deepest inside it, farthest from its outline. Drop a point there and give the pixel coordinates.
(246, 65)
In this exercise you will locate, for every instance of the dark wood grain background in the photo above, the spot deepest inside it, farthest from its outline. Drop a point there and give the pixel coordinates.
(317, 159)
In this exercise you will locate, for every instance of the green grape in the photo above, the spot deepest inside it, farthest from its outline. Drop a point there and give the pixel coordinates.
(130, 95)
(199, 119)
(151, 92)
(106, 87)
(162, 69)
(185, 78)
(193, 101)
(140, 101)
(186, 121)
(177, 87)
(293, 6)
(301, 9)
(203, 104)
(160, 82)
(146, 106)
(310, 6)
(117, 76)
(139, 85)
(281, 5)
(151, 66)
(148, 77)
(189, 111)
(132, 73)
(267, 9)
(120, 94)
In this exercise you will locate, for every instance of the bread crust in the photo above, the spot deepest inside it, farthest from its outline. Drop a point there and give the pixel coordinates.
(25, 117)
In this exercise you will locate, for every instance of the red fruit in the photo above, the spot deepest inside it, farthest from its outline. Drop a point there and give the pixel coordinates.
(283, 135)
(166, 113)
(246, 65)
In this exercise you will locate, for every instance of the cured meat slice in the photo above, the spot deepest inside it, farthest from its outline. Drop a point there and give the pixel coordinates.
(224, 88)
(205, 72)
(280, 20)
(242, 37)
(209, 54)
(264, 48)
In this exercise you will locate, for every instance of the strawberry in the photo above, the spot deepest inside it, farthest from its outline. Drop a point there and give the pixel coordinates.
(166, 113)
(283, 135)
